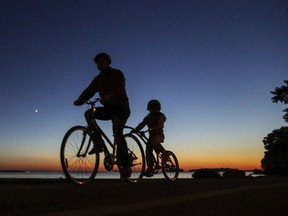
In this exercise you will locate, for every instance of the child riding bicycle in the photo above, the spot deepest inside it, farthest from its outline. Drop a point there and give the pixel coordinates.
(155, 123)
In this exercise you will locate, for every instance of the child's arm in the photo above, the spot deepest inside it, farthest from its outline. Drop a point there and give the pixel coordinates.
(141, 125)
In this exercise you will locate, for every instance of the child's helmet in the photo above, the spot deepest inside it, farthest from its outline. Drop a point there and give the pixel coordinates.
(154, 103)
(103, 55)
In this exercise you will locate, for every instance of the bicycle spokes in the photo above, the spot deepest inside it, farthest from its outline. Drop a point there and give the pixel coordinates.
(78, 166)
(136, 157)
(170, 167)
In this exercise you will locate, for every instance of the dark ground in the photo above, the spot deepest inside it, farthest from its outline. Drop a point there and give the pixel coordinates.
(205, 197)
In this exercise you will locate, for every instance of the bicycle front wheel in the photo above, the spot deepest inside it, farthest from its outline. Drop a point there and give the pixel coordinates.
(137, 157)
(170, 168)
(78, 166)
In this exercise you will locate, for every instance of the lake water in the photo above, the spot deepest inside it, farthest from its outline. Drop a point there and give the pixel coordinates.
(100, 175)
(59, 175)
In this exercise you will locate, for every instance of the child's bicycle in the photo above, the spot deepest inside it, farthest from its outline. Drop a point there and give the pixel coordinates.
(81, 168)
(169, 168)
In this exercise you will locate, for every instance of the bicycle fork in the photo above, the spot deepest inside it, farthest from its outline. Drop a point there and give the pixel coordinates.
(82, 144)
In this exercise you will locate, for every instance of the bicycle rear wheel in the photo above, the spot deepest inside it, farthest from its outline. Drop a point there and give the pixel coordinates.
(137, 156)
(170, 168)
(78, 166)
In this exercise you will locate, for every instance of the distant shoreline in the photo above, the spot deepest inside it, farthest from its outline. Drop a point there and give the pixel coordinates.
(180, 170)
(20, 171)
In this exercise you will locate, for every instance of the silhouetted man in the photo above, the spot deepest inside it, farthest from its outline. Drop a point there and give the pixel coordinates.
(110, 84)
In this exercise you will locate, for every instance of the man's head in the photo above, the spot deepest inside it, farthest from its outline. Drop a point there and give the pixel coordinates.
(102, 60)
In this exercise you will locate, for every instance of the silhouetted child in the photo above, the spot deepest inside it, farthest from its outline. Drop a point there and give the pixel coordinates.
(155, 123)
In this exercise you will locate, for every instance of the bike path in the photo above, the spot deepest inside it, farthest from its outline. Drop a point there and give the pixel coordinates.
(171, 204)
(262, 196)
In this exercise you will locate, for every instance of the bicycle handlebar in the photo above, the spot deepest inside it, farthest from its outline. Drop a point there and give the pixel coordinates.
(93, 102)
(139, 133)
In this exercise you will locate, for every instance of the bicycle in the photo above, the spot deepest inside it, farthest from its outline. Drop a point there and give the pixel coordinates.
(80, 168)
(169, 168)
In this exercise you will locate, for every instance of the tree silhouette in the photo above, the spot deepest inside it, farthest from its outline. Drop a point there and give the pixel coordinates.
(281, 95)
(275, 159)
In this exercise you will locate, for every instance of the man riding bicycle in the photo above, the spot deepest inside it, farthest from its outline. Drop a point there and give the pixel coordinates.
(110, 84)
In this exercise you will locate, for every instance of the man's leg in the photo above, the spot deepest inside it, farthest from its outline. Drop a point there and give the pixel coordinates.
(90, 119)
(119, 122)
(122, 151)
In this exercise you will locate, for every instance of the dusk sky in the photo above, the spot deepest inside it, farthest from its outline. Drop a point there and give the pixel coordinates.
(212, 65)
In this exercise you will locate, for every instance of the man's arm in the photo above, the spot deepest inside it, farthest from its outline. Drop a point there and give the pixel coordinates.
(87, 93)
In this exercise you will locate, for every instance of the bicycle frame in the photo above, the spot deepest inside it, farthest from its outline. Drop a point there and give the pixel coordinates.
(80, 164)
(82, 144)
(103, 135)
(101, 132)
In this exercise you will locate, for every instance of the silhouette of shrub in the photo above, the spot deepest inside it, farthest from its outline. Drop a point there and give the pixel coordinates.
(206, 173)
(233, 173)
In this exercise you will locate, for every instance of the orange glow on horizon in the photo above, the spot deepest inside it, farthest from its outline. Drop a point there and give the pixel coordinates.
(46, 162)
(237, 163)
(54, 165)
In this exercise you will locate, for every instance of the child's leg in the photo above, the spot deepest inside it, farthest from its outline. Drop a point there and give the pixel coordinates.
(156, 141)
(149, 157)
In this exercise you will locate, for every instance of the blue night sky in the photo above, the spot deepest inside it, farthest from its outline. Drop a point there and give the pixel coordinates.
(212, 64)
